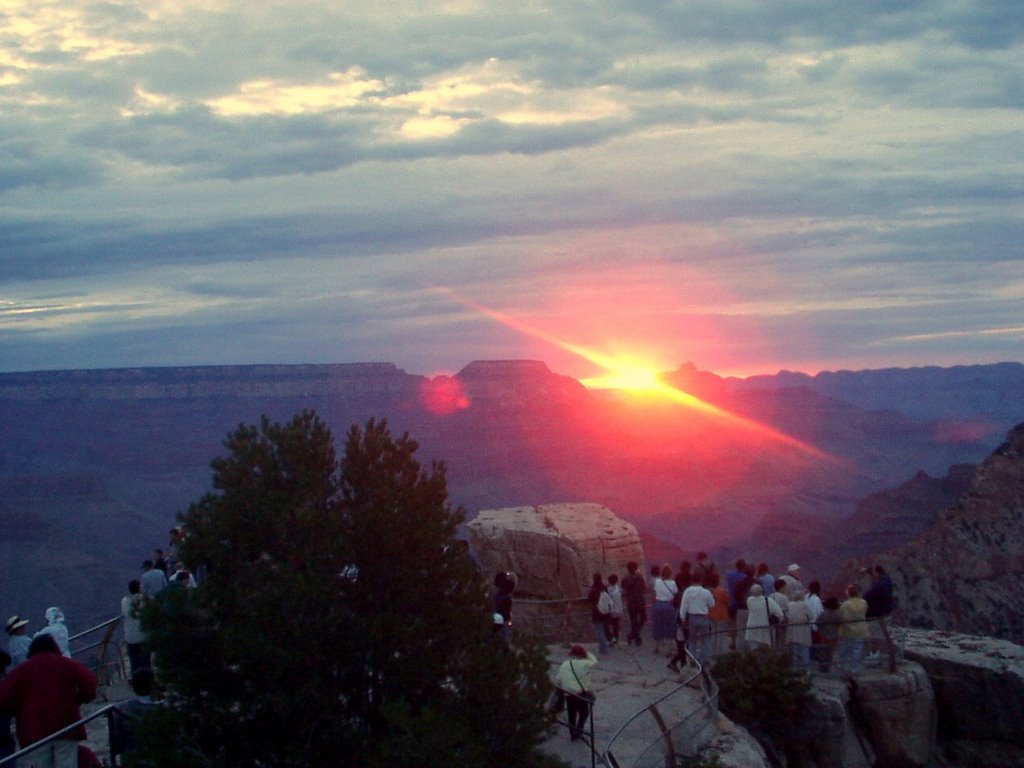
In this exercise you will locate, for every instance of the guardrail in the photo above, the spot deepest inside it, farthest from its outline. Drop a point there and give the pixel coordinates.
(110, 712)
(684, 737)
(108, 661)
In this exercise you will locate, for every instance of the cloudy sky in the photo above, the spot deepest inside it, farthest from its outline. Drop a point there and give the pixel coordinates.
(747, 185)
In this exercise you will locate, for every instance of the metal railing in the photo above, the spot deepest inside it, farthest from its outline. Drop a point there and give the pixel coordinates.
(683, 737)
(109, 659)
(110, 712)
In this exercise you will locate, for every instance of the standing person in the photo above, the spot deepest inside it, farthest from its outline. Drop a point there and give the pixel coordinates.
(153, 580)
(44, 694)
(504, 584)
(18, 640)
(600, 606)
(828, 632)
(798, 631)
(732, 580)
(705, 567)
(780, 597)
(792, 580)
(134, 637)
(852, 631)
(663, 615)
(742, 592)
(765, 579)
(575, 679)
(719, 614)
(635, 591)
(696, 605)
(881, 603)
(160, 562)
(124, 740)
(761, 608)
(55, 626)
(615, 614)
(815, 606)
(7, 745)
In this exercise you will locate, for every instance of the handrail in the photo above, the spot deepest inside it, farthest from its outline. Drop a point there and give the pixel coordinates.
(103, 644)
(107, 711)
(709, 700)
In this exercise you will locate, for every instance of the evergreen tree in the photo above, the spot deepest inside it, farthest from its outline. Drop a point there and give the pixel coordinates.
(340, 622)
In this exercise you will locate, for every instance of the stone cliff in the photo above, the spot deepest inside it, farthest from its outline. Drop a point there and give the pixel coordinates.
(964, 572)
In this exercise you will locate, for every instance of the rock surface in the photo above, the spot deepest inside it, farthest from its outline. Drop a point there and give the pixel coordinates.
(553, 549)
(963, 573)
(978, 684)
(898, 713)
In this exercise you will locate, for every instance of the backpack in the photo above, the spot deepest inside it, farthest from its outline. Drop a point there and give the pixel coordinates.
(604, 604)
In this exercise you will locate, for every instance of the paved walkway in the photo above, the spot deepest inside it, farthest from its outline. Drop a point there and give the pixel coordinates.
(625, 680)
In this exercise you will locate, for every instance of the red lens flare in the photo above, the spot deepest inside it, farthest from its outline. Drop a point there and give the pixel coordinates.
(630, 374)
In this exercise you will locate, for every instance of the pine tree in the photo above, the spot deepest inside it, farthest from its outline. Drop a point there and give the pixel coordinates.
(340, 621)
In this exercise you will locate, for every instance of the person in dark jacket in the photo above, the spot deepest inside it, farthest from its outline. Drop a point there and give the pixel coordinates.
(44, 693)
(634, 590)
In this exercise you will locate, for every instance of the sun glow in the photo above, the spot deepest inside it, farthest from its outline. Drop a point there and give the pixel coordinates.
(630, 374)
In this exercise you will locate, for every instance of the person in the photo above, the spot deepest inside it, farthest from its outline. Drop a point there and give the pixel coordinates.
(779, 640)
(663, 615)
(504, 584)
(7, 745)
(742, 592)
(792, 580)
(815, 606)
(614, 623)
(44, 694)
(134, 637)
(182, 578)
(852, 631)
(760, 609)
(828, 632)
(56, 627)
(634, 590)
(574, 678)
(160, 562)
(695, 608)
(719, 614)
(732, 580)
(798, 630)
(880, 600)
(600, 606)
(705, 567)
(123, 738)
(18, 640)
(765, 579)
(153, 580)
(683, 579)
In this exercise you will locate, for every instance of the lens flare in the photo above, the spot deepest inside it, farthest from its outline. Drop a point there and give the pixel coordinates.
(633, 375)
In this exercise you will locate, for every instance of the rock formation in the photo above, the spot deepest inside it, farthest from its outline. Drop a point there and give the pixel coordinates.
(979, 696)
(553, 549)
(963, 573)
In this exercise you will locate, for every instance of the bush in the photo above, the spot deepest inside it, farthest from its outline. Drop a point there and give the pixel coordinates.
(762, 691)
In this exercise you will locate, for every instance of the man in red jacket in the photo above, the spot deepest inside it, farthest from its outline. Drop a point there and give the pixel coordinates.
(43, 694)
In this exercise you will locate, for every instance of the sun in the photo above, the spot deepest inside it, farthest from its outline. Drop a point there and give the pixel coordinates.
(629, 375)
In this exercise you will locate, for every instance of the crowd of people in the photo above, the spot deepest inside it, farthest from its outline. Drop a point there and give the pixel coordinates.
(697, 613)
(42, 686)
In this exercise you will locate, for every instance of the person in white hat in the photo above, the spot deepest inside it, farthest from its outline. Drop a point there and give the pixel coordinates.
(18, 640)
(792, 580)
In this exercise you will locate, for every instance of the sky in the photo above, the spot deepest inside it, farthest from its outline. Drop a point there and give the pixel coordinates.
(749, 186)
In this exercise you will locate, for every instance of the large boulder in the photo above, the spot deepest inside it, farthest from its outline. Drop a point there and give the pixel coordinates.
(828, 731)
(897, 711)
(979, 693)
(553, 549)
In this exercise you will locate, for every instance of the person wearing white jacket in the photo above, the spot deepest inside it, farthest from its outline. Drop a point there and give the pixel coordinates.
(761, 607)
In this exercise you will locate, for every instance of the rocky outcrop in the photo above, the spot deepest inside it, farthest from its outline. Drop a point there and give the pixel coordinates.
(963, 573)
(897, 712)
(553, 549)
(829, 733)
(979, 693)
